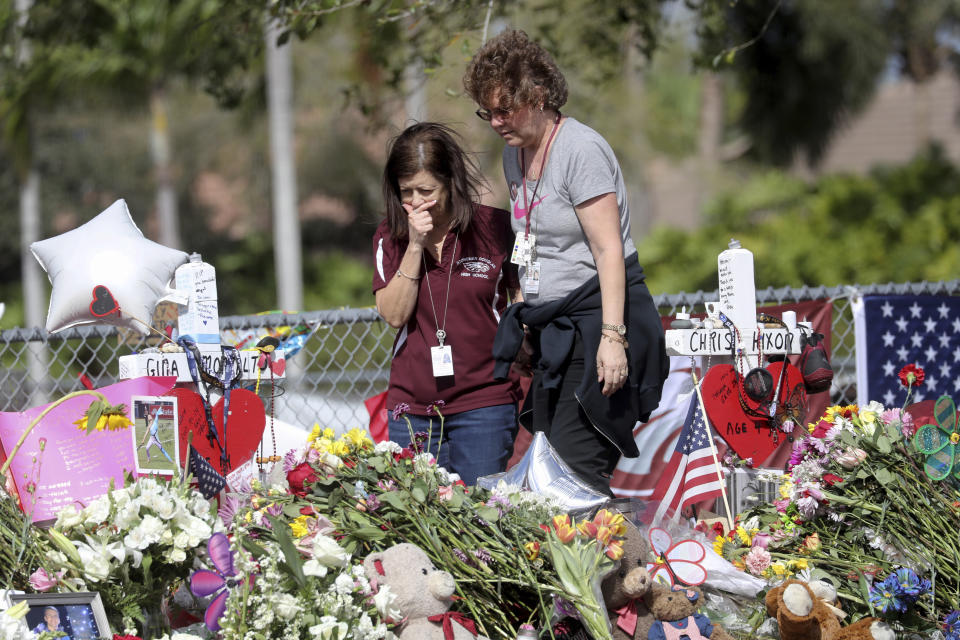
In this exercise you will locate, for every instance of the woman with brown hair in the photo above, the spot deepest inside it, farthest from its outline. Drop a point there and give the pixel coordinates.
(594, 328)
(442, 275)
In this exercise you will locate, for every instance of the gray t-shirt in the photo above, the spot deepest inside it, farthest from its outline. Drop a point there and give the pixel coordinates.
(580, 165)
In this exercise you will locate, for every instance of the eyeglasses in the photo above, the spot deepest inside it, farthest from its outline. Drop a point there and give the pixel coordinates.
(487, 114)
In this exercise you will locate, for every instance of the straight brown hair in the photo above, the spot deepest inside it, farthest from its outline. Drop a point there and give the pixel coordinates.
(431, 147)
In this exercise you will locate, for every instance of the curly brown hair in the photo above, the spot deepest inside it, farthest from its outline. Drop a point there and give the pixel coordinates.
(523, 72)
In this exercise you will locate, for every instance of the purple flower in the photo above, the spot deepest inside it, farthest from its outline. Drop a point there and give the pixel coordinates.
(502, 503)
(951, 625)
(807, 507)
(400, 409)
(762, 539)
(229, 506)
(386, 484)
(461, 556)
(373, 502)
(483, 556)
(290, 460)
(434, 407)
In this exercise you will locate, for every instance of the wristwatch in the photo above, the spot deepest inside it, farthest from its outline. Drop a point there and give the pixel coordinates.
(621, 329)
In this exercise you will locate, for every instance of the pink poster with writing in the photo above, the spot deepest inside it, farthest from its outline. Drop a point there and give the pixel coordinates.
(74, 466)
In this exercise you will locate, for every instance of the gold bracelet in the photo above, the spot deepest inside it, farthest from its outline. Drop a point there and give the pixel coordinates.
(406, 276)
(616, 339)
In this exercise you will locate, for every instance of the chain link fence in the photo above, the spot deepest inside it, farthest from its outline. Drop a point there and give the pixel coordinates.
(346, 357)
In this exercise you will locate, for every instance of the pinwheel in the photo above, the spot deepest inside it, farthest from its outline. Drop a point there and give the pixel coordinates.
(676, 562)
(940, 441)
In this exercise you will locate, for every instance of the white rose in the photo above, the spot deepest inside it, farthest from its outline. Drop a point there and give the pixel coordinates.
(180, 540)
(327, 551)
(128, 516)
(199, 505)
(176, 555)
(136, 539)
(97, 511)
(195, 528)
(286, 606)
(153, 528)
(96, 567)
(68, 517)
(313, 568)
(386, 602)
(166, 510)
(329, 629)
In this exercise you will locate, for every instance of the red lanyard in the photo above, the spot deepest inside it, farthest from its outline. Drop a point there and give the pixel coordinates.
(523, 174)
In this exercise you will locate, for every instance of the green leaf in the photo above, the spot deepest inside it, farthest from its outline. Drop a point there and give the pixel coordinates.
(369, 533)
(884, 476)
(281, 531)
(93, 415)
(490, 514)
(419, 494)
(255, 550)
(291, 510)
(394, 499)
(359, 518)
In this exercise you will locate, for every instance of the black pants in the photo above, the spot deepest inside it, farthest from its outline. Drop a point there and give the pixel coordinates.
(557, 413)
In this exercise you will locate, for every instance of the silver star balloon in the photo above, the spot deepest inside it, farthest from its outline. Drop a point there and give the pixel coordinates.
(543, 471)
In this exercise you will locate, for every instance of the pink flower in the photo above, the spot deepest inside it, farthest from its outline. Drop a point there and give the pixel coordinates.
(445, 493)
(43, 581)
(757, 561)
(782, 505)
(851, 458)
(762, 539)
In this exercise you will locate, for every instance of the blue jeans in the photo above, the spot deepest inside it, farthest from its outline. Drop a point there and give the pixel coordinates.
(475, 443)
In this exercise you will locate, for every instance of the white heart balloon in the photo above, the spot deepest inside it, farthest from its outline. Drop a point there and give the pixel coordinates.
(108, 257)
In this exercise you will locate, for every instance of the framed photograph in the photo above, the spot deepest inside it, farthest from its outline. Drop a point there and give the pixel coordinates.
(79, 615)
(155, 435)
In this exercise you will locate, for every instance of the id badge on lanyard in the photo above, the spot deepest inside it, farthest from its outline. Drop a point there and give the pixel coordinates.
(442, 358)
(531, 282)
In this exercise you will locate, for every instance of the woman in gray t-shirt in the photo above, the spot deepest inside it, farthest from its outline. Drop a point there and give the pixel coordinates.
(572, 223)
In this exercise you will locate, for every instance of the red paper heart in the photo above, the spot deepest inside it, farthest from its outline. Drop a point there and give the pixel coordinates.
(750, 436)
(244, 427)
(278, 366)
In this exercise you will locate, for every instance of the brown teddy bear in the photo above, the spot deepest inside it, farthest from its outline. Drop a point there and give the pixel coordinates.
(623, 588)
(805, 612)
(423, 594)
(675, 617)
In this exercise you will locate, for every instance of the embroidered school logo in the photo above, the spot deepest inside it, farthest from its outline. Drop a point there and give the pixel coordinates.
(477, 267)
(474, 267)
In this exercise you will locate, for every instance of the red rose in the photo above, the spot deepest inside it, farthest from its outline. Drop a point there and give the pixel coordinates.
(911, 374)
(829, 479)
(299, 476)
(821, 429)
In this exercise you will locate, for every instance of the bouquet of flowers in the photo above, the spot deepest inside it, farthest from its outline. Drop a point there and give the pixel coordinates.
(582, 554)
(373, 496)
(313, 590)
(134, 545)
(858, 505)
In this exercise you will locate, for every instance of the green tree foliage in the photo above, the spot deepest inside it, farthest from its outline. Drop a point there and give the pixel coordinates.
(896, 224)
(812, 64)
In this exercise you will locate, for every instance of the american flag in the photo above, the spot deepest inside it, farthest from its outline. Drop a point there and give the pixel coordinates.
(691, 476)
(893, 331)
(209, 482)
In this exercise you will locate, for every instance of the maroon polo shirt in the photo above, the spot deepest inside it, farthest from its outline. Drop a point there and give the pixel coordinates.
(481, 274)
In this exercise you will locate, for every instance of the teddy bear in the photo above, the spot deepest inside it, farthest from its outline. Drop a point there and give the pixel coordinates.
(675, 618)
(806, 612)
(624, 587)
(423, 594)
